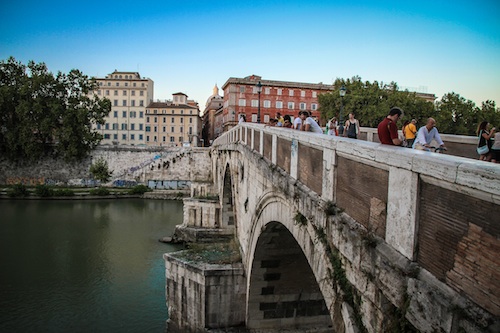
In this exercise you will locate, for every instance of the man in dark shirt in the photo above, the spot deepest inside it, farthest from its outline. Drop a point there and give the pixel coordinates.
(388, 130)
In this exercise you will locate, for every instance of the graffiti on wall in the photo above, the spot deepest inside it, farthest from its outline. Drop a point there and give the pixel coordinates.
(31, 181)
(169, 184)
(124, 183)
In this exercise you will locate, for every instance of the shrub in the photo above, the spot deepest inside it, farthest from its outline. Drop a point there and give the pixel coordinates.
(139, 189)
(19, 190)
(44, 191)
(99, 191)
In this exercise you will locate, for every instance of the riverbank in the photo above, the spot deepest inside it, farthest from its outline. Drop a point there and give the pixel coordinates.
(85, 194)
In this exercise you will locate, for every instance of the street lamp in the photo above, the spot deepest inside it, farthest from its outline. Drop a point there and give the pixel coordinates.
(259, 90)
(341, 121)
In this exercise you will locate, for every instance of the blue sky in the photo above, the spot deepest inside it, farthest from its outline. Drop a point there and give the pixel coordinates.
(189, 46)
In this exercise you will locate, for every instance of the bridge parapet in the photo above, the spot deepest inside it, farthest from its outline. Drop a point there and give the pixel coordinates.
(439, 211)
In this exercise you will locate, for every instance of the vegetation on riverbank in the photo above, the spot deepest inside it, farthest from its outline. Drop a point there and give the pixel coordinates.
(47, 191)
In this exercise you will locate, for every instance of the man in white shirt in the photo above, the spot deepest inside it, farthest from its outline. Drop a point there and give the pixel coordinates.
(426, 134)
(309, 124)
(297, 122)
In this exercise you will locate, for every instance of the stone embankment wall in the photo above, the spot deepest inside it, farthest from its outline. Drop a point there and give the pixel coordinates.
(163, 168)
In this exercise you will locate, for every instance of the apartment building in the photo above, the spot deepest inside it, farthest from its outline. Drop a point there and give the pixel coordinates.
(129, 94)
(241, 96)
(173, 123)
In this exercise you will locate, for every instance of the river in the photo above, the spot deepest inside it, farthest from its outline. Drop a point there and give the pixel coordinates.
(84, 265)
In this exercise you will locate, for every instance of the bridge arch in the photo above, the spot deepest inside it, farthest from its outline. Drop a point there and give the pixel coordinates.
(287, 284)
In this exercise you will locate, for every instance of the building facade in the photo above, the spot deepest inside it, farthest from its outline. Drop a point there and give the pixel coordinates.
(241, 96)
(213, 106)
(173, 123)
(129, 94)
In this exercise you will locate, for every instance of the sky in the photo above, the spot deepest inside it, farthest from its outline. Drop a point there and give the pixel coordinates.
(190, 46)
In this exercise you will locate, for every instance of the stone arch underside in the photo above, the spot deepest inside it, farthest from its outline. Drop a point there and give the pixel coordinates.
(283, 291)
(228, 209)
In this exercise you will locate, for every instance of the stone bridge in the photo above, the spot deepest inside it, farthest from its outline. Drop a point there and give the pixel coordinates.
(339, 235)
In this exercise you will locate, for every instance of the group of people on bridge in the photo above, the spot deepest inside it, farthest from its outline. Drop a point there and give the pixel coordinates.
(387, 130)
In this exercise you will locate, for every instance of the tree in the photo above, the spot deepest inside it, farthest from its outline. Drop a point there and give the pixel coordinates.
(100, 170)
(371, 102)
(43, 114)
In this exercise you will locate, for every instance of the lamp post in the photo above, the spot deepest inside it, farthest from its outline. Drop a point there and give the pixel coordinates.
(259, 90)
(341, 121)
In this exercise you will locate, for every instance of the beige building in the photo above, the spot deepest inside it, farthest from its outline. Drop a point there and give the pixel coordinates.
(129, 94)
(173, 123)
(212, 106)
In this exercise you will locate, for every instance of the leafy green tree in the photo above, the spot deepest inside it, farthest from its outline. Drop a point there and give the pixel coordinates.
(100, 170)
(43, 113)
(371, 102)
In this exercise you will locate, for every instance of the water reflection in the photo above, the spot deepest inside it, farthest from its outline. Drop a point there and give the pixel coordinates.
(79, 266)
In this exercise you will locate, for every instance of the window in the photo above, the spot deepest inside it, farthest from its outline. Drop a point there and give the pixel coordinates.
(164, 129)
(267, 104)
(124, 136)
(115, 114)
(140, 127)
(140, 137)
(109, 84)
(242, 89)
(172, 129)
(164, 119)
(107, 92)
(182, 111)
(106, 126)
(98, 92)
(266, 118)
(124, 93)
(190, 130)
(98, 126)
(124, 102)
(314, 95)
(147, 138)
(147, 119)
(116, 92)
(254, 118)
(279, 104)
(141, 93)
(164, 139)
(156, 120)
(133, 92)
(132, 136)
(107, 136)
(133, 102)
(115, 136)
(126, 83)
(255, 103)
(124, 127)
(173, 120)
(115, 102)
(302, 106)
(302, 93)
(290, 92)
(180, 139)
(173, 111)
(148, 128)
(155, 129)
(267, 90)
(115, 126)
(132, 127)
(172, 139)
(117, 84)
(242, 102)
(291, 105)
(190, 120)
(280, 91)
(141, 103)
(182, 120)
(314, 106)
(181, 129)
(124, 114)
